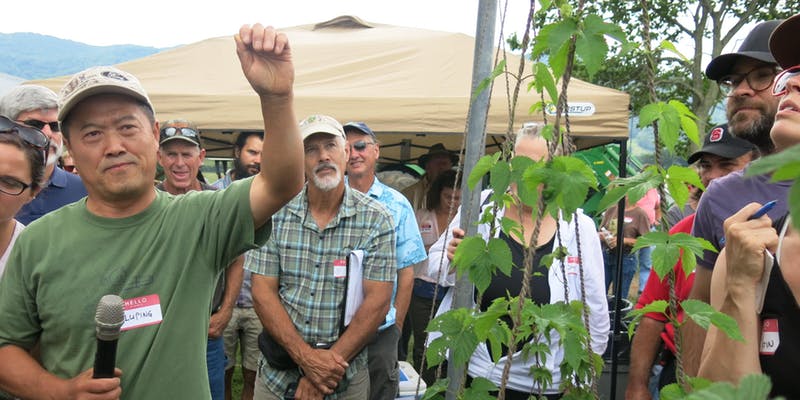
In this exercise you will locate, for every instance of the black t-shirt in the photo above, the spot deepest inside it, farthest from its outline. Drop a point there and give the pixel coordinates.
(780, 354)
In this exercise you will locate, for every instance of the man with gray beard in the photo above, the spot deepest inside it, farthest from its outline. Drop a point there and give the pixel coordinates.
(300, 278)
(37, 106)
(745, 77)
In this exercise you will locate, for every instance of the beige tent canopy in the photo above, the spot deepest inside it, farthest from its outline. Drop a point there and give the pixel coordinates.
(411, 86)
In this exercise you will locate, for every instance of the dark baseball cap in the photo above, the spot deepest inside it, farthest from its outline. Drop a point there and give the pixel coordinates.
(720, 142)
(755, 46)
(361, 127)
(785, 42)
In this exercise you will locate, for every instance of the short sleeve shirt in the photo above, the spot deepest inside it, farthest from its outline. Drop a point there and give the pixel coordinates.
(302, 256)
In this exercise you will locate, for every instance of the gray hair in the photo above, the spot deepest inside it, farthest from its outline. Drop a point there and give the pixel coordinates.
(533, 130)
(24, 98)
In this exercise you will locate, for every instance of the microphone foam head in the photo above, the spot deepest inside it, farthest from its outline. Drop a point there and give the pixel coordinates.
(109, 317)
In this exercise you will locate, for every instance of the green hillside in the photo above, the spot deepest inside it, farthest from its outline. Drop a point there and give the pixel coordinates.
(35, 56)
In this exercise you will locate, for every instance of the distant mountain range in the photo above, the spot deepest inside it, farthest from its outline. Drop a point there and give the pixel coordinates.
(33, 56)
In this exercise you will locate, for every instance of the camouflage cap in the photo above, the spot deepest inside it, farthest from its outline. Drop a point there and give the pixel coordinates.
(99, 80)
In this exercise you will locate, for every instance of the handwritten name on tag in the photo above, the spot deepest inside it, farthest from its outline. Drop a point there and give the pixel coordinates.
(142, 311)
(770, 337)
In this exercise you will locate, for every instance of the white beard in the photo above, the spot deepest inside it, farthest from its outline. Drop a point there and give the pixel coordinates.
(328, 183)
(53, 156)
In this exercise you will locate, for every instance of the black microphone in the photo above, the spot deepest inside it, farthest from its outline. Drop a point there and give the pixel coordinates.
(109, 318)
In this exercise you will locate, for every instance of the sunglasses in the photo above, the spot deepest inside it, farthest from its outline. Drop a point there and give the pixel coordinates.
(173, 131)
(361, 145)
(32, 136)
(41, 124)
(779, 88)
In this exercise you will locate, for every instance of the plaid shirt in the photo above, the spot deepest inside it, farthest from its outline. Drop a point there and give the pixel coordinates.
(301, 256)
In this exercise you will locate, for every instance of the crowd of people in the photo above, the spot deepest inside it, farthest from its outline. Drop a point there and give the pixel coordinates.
(300, 263)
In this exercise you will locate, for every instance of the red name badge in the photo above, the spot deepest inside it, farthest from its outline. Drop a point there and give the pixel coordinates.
(340, 269)
(142, 311)
(770, 337)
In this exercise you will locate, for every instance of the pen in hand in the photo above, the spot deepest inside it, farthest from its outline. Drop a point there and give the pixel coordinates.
(758, 214)
(763, 210)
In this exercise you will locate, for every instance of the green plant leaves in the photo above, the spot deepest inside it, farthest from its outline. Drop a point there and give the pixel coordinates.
(676, 179)
(669, 248)
(783, 165)
(671, 117)
(458, 336)
(480, 259)
(566, 184)
(704, 315)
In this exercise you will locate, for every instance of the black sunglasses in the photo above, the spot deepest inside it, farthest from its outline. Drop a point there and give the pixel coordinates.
(41, 124)
(361, 145)
(779, 88)
(173, 131)
(32, 136)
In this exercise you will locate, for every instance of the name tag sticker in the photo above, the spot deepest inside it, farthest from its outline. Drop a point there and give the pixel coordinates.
(770, 337)
(142, 311)
(339, 269)
(573, 264)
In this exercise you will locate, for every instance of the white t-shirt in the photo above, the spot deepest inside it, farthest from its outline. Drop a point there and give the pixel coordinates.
(4, 257)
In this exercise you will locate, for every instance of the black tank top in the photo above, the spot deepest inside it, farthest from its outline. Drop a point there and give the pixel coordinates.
(780, 360)
(512, 285)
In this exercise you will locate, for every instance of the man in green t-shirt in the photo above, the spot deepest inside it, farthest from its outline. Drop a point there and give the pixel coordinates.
(160, 253)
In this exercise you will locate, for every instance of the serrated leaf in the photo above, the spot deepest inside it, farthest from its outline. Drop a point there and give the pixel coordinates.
(458, 337)
(669, 46)
(677, 177)
(499, 178)
(590, 45)
(772, 162)
(500, 255)
(753, 386)
(649, 114)
(547, 132)
(481, 168)
(485, 82)
(558, 60)
(573, 350)
(704, 315)
(469, 251)
(480, 389)
(435, 391)
(544, 80)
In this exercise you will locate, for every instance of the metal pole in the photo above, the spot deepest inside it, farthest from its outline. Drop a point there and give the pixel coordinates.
(623, 172)
(475, 147)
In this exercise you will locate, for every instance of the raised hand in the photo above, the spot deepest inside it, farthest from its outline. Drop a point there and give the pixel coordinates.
(266, 59)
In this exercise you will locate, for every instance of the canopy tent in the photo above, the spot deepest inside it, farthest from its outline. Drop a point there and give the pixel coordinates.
(411, 86)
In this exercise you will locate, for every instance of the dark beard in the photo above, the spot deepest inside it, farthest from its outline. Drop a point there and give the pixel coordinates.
(757, 132)
(240, 171)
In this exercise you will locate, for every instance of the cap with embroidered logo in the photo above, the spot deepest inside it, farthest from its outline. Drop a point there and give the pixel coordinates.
(99, 80)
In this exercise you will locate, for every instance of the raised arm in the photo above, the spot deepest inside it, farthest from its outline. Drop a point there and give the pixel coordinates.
(733, 292)
(266, 60)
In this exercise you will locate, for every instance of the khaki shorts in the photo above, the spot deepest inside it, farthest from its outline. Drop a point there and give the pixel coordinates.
(242, 332)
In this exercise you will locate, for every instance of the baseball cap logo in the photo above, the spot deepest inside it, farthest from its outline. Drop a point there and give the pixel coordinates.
(715, 135)
(114, 75)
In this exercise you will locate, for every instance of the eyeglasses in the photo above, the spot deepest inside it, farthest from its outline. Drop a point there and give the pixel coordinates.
(41, 124)
(69, 168)
(173, 131)
(361, 145)
(11, 186)
(779, 88)
(32, 136)
(758, 79)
